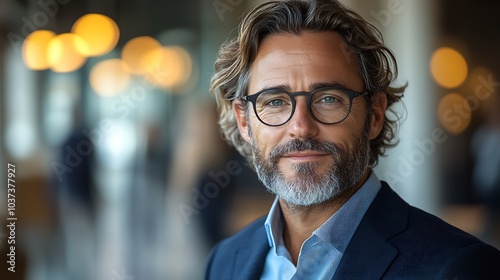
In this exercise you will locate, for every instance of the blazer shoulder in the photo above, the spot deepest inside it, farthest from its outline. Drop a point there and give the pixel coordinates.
(412, 221)
(476, 261)
(251, 241)
(427, 245)
(433, 227)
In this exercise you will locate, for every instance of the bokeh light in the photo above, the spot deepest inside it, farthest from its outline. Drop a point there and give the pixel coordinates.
(100, 32)
(171, 70)
(141, 54)
(64, 52)
(454, 113)
(35, 49)
(448, 67)
(109, 77)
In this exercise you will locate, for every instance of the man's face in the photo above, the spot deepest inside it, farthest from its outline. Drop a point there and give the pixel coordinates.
(304, 161)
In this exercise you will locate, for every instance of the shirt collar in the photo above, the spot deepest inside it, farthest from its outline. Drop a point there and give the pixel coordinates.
(339, 228)
(274, 224)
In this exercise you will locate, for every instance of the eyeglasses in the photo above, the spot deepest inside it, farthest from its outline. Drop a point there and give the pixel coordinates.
(328, 105)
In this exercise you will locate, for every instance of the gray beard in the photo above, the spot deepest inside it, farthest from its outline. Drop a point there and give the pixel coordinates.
(309, 187)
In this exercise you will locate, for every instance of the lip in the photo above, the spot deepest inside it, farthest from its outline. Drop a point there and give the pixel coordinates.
(305, 155)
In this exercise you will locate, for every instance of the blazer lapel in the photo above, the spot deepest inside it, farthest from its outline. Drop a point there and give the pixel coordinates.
(370, 253)
(250, 258)
(367, 256)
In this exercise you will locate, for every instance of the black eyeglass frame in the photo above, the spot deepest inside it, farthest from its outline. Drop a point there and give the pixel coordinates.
(350, 93)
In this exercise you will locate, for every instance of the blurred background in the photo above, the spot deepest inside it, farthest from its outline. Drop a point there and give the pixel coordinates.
(120, 170)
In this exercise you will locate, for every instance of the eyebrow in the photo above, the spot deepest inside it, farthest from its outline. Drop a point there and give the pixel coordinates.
(312, 87)
(277, 87)
(322, 85)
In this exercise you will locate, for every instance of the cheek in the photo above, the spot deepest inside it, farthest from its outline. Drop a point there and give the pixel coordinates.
(358, 115)
(347, 133)
(264, 137)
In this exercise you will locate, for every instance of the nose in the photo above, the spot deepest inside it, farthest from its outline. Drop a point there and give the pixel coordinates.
(302, 125)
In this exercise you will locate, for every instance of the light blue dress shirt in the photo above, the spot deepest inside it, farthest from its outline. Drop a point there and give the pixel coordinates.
(321, 253)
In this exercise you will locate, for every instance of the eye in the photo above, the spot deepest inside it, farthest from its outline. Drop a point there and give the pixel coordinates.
(329, 99)
(275, 102)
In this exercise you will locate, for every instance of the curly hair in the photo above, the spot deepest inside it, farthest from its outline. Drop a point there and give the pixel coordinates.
(375, 62)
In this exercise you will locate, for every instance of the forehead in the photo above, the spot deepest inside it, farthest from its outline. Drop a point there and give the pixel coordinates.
(299, 61)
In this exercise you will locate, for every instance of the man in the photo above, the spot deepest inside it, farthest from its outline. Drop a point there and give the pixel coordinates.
(303, 93)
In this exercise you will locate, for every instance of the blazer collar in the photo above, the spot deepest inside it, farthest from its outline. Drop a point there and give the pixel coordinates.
(250, 257)
(369, 253)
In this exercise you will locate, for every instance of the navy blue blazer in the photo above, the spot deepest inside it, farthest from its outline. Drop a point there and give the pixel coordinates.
(393, 241)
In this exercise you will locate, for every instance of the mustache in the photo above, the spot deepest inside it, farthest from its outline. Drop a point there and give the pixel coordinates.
(299, 145)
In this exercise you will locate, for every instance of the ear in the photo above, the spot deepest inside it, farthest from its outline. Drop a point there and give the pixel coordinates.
(239, 113)
(379, 106)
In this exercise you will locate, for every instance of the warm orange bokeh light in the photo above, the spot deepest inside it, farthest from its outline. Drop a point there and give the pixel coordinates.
(141, 54)
(100, 32)
(35, 49)
(454, 113)
(171, 70)
(448, 67)
(109, 77)
(64, 52)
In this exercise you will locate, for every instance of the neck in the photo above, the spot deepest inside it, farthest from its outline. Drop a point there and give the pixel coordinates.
(301, 221)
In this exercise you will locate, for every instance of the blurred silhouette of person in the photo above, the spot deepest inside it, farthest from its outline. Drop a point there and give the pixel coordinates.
(213, 218)
(74, 181)
(77, 186)
(76, 196)
(145, 225)
(196, 223)
(203, 152)
(485, 147)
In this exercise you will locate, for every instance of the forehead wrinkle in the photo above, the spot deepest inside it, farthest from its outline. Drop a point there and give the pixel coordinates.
(297, 58)
(291, 61)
